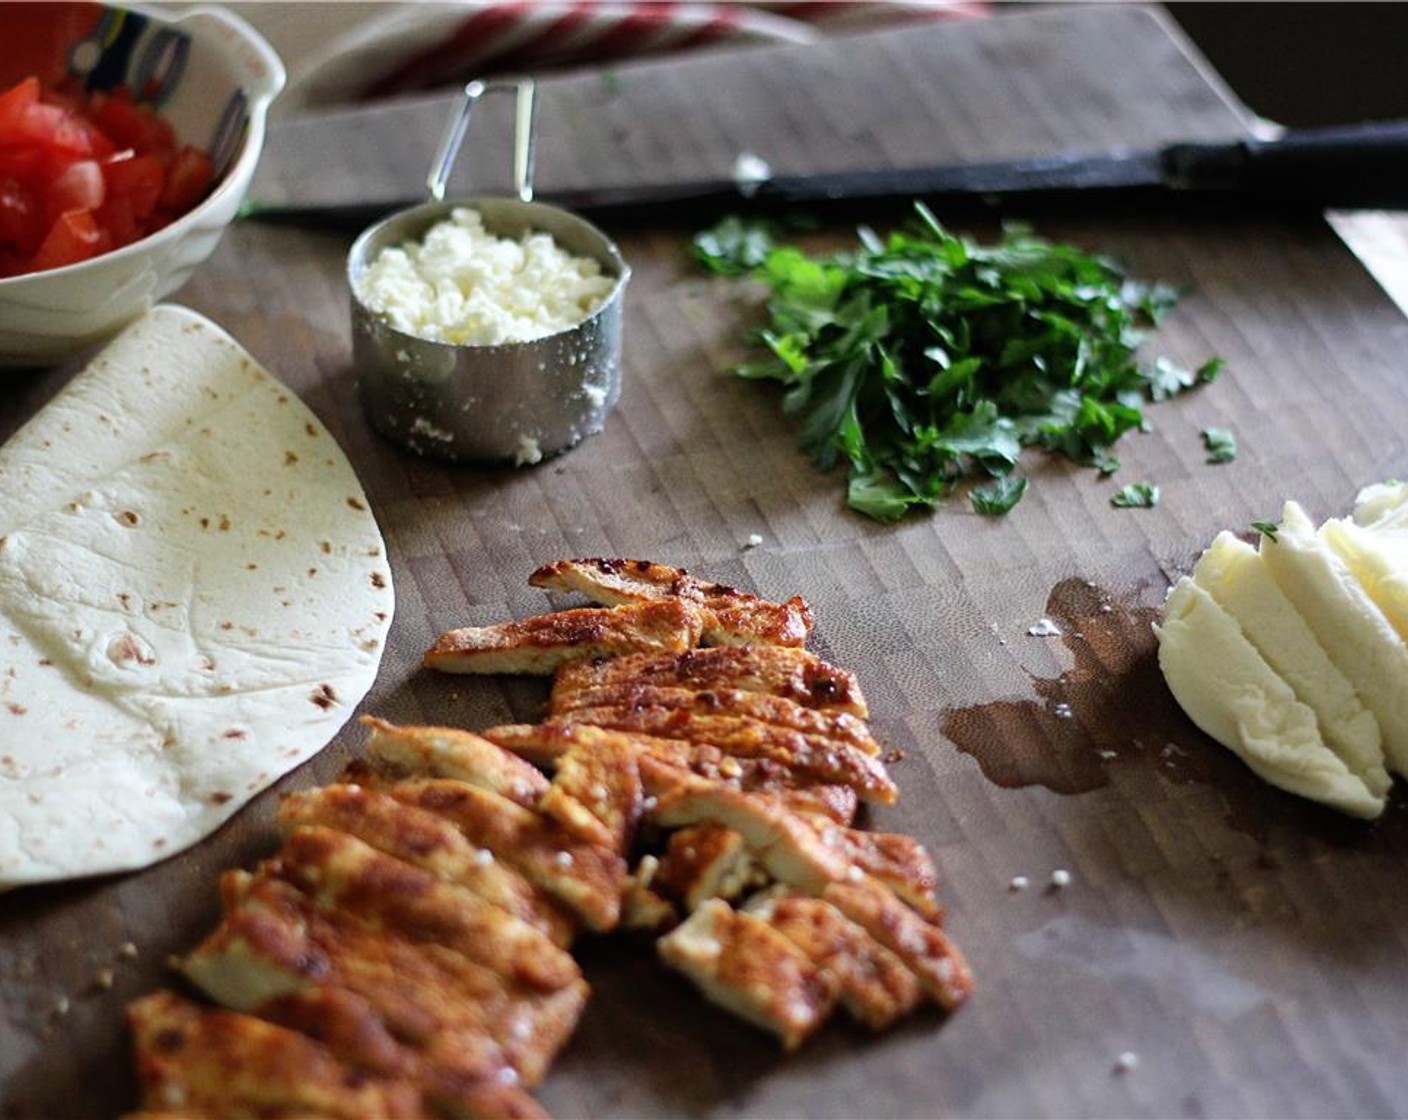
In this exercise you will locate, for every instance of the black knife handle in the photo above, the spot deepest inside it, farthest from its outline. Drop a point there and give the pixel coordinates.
(1360, 165)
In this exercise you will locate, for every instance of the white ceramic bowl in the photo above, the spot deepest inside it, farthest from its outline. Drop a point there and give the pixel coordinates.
(216, 78)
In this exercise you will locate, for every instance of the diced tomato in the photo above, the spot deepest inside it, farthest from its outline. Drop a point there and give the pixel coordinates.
(22, 223)
(14, 107)
(187, 179)
(137, 179)
(78, 187)
(132, 125)
(74, 237)
(84, 173)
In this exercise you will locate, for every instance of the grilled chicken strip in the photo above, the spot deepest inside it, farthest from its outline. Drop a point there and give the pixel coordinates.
(731, 617)
(829, 760)
(546, 744)
(430, 843)
(898, 861)
(875, 986)
(596, 793)
(446, 752)
(538, 645)
(782, 843)
(340, 871)
(588, 880)
(704, 861)
(794, 674)
(739, 962)
(778, 711)
(923, 947)
(197, 1060)
(458, 1021)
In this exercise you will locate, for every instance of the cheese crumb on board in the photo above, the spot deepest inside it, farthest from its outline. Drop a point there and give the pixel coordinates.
(463, 285)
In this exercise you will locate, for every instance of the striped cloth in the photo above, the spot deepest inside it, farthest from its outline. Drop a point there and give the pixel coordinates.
(357, 52)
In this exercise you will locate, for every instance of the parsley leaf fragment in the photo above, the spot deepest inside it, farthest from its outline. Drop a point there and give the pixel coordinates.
(922, 357)
(1221, 445)
(1267, 529)
(998, 497)
(1137, 495)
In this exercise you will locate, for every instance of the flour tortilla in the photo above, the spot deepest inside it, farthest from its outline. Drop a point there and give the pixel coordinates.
(194, 596)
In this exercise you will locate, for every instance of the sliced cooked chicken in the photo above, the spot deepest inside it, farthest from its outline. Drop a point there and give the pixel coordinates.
(596, 793)
(785, 845)
(923, 947)
(745, 966)
(794, 674)
(588, 880)
(541, 643)
(196, 1060)
(705, 861)
(451, 1013)
(643, 909)
(778, 711)
(430, 843)
(545, 744)
(828, 760)
(446, 752)
(899, 862)
(875, 985)
(341, 872)
(731, 617)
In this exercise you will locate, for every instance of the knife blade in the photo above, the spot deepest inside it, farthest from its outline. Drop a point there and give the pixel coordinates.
(1345, 166)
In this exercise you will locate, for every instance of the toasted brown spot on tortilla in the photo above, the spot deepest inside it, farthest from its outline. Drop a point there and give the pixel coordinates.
(224, 523)
(380, 616)
(326, 547)
(205, 523)
(16, 709)
(312, 572)
(220, 797)
(233, 733)
(378, 580)
(324, 696)
(125, 599)
(46, 661)
(356, 504)
(227, 625)
(290, 457)
(128, 517)
(251, 567)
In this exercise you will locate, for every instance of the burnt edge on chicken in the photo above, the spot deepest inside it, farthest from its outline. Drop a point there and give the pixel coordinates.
(406, 952)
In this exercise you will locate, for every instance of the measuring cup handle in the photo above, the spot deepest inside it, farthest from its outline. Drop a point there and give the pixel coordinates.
(526, 91)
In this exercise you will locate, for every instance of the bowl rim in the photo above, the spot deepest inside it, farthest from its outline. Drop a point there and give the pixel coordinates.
(261, 91)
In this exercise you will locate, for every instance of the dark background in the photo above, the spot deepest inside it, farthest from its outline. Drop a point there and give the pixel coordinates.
(1307, 64)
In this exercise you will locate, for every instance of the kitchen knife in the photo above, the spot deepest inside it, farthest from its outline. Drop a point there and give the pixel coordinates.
(1348, 166)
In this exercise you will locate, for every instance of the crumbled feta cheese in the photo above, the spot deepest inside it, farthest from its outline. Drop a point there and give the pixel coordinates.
(1018, 883)
(529, 452)
(753, 541)
(461, 284)
(1060, 878)
(1127, 1061)
(1044, 628)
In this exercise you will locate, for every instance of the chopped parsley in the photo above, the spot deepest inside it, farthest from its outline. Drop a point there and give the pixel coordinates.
(924, 358)
(1267, 529)
(1137, 495)
(998, 496)
(1221, 445)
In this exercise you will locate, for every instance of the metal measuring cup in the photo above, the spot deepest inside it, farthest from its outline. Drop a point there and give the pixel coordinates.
(519, 401)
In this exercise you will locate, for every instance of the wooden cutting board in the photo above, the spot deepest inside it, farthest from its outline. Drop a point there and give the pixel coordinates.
(1247, 948)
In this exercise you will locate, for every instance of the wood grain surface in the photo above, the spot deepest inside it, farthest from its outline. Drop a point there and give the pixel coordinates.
(1248, 948)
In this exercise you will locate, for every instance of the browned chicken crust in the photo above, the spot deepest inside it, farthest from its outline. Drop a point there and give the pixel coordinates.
(447, 752)
(429, 842)
(731, 617)
(779, 711)
(538, 645)
(744, 965)
(794, 674)
(195, 1060)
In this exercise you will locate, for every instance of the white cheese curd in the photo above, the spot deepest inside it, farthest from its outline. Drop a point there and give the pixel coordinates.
(463, 285)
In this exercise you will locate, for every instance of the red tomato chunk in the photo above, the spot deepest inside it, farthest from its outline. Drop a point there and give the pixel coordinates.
(83, 174)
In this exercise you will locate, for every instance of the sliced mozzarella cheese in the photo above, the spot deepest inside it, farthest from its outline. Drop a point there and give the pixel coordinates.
(1233, 573)
(1348, 624)
(1229, 691)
